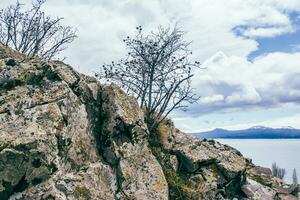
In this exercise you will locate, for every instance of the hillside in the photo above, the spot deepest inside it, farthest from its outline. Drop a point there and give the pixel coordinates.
(64, 136)
(257, 132)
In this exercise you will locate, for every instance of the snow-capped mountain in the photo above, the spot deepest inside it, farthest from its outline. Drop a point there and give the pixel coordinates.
(253, 132)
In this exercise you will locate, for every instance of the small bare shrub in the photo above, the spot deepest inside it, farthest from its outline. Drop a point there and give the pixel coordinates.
(295, 178)
(277, 171)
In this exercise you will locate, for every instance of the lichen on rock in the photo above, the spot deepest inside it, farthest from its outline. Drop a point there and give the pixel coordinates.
(65, 136)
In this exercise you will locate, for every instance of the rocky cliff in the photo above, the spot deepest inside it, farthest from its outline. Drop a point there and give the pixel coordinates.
(63, 135)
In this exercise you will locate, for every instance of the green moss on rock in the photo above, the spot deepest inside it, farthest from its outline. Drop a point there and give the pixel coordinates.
(82, 193)
(180, 187)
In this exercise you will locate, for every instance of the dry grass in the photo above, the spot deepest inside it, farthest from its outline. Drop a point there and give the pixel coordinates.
(163, 133)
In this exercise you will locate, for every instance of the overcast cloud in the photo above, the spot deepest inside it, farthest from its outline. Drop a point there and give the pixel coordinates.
(234, 82)
(224, 33)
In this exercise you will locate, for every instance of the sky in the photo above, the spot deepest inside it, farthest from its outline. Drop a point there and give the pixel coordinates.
(249, 49)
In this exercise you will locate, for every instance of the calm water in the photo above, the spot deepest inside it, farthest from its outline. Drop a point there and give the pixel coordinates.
(263, 152)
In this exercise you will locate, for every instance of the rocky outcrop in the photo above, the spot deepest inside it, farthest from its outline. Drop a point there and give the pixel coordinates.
(206, 169)
(63, 135)
(125, 146)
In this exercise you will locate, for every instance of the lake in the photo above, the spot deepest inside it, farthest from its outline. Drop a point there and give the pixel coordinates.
(263, 152)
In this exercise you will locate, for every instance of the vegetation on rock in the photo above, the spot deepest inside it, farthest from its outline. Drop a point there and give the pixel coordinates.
(157, 71)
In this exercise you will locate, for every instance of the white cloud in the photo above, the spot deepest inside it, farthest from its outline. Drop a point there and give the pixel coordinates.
(212, 99)
(247, 94)
(270, 80)
(267, 32)
(102, 24)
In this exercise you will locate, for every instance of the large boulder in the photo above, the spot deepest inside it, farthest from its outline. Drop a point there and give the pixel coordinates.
(213, 169)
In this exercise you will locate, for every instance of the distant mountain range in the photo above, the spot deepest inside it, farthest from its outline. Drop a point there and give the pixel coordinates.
(256, 132)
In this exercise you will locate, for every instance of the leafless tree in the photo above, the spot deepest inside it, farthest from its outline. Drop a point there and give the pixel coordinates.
(277, 171)
(32, 32)
(157, 71)
(295, 178)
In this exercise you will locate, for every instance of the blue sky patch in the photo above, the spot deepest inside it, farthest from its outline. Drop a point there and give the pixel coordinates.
(289, 42)
(284, 43)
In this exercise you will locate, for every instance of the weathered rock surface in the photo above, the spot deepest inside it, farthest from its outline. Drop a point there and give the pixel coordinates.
(63, 135)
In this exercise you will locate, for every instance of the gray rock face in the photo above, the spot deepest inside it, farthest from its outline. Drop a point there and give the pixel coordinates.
(125, 146)
(255, 190)
(65, 136)
(213, 170)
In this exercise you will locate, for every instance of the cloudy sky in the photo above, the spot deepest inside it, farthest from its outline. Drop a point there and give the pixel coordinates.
(250, 50)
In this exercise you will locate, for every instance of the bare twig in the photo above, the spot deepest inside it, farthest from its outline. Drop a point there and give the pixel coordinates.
(157, 72)
(32, 32)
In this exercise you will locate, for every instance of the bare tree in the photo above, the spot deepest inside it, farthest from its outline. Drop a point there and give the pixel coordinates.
(32, 32)
(157, 71)
(295, 178)
(277, 171)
